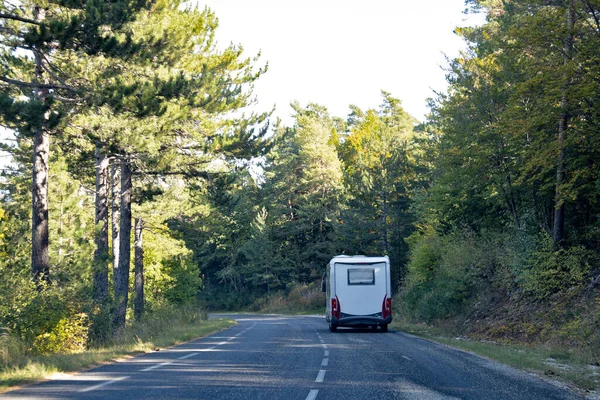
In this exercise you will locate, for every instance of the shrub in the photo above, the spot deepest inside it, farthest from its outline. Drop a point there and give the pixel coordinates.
(301, 298)
(550, 271)
(306, 297)
(40, 315)
(440, 276)
(11, 348)
(68, 336)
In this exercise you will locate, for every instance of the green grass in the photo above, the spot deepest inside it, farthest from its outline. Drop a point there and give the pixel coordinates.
(568, 365)
(139, 338)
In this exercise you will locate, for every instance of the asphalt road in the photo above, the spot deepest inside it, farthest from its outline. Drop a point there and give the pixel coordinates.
(272, 357)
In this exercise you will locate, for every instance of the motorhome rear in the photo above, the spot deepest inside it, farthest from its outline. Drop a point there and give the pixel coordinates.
(358, 291)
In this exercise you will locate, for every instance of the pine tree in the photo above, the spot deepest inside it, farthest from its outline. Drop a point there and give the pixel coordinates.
(43, 46)
(305, 191)
(380, 170)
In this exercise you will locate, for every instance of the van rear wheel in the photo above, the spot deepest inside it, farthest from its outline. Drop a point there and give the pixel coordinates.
(332, 327)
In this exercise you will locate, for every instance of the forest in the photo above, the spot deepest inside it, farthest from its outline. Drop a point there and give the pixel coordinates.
(140, 181)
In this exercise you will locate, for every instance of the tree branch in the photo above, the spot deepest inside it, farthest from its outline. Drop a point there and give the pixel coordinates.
(35, 85)
(593, 12)
(17, 18)
(51, 73)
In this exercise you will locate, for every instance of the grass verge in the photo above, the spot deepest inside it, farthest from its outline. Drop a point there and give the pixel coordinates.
(568, 366)
(136, 339)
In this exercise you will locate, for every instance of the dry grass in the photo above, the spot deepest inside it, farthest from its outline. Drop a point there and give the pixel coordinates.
(569, 365)
(135, 339)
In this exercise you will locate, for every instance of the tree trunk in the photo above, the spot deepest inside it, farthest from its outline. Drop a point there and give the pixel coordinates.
(138, 303)
(40, 259)
(384, 227)
(510, 201)
(101, 254)
(115, 205)
(558, 228)
(122, 272)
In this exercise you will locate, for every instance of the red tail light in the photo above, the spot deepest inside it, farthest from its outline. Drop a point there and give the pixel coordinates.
(386, 307)
(336, 308)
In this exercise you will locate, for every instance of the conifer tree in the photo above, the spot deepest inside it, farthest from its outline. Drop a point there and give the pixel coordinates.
(378, 155)
(305, 191)
(164, 112)
(43, 46)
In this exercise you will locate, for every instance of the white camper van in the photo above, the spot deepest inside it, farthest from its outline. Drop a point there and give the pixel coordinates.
(358, 291)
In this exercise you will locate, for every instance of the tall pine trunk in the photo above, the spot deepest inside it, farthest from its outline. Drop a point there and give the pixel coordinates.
(558, 228)
(138, 302)
(115, 188)
(40, 259)
(122, 273)
(101, 254)
(384, 227)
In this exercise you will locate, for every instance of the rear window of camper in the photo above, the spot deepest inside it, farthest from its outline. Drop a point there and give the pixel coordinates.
(361, 276)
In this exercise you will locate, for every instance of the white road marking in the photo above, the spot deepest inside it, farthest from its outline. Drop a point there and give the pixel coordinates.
(188, 356)
(324, 345)
(325, 362)
(193, 354)
(98, 386)
(321, 376)
(157, 366)
(312, 395)
(407, 358)
(326, 353)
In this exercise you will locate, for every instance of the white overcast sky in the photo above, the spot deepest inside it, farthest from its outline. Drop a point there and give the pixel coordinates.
(341, 52)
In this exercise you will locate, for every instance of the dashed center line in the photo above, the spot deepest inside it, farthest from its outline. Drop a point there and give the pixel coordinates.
(157, 366)
(188, 356)
(100, 385)
(312, 395)
(321, 376)
(407, 358)
(194, 354)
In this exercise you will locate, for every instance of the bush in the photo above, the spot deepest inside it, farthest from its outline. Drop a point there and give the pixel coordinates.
(68, 336)
(301, 298)
(40, 315)
(307, 297)
(162, 318)
(550, 271)
(100, 325)
(11, 348)
(440, 276)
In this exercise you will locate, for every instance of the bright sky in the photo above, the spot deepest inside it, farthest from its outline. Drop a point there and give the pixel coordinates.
(341, 52)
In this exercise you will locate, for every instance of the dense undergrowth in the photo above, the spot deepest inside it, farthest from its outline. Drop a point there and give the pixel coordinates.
(296, 298)
(502, 291)
(302, 299)
(505, 288)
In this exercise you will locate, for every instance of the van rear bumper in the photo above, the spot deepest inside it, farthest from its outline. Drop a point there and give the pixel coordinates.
(360, 320)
